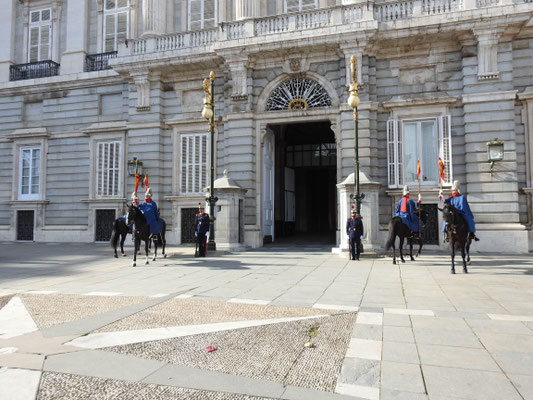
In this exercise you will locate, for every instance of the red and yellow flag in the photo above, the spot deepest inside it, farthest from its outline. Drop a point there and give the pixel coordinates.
(418, 169)
(146, 181)
(137, 181)
(441, 169)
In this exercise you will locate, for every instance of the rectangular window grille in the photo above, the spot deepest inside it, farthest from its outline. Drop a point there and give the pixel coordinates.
(193, 163)
(188, 216)
(411, 140)
(104, 225)
(25, 222)
(116, 23)
(300, 5)
(29, 173)
(108, 169)
(202, 14)
(312, 155)
(40, 35)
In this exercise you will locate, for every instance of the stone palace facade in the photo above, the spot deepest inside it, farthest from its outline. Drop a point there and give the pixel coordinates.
(89, 86)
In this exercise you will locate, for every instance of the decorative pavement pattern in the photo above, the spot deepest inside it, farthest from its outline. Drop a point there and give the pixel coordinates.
(410, 331)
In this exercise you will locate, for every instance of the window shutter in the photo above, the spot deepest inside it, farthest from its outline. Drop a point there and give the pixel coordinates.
(445, 146)
(193, 163)
(392, 155)
(34, 44)
(45, 42)
(108, 169)
(204, 162)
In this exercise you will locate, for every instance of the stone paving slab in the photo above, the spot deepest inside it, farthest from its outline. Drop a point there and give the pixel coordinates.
(468, 384)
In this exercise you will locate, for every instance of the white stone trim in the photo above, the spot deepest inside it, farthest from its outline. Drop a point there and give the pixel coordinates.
(487, 97)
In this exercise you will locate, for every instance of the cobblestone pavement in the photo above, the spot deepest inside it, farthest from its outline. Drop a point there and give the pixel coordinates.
(76, 323)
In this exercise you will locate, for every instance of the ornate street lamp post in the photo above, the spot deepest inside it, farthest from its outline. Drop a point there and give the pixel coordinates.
(353, 102)
(208, 113)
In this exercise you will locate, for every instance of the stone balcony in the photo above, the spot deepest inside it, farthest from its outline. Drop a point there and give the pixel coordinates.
(368, 16)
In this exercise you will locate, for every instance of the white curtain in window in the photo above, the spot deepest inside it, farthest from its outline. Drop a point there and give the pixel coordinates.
(193, 163)
(108, 169)
(40, 35)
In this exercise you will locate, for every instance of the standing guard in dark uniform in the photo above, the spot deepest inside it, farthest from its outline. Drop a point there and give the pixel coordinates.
(354, 230)
(201, 231)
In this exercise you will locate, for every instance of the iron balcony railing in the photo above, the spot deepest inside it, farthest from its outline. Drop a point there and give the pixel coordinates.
(39, 69)
(99, 62)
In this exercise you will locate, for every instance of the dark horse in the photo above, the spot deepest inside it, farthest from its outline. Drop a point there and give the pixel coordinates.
(398, 228)
(120, 229)
(141, 231)
(458, 236)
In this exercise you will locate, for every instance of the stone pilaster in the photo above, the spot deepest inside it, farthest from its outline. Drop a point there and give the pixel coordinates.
(154, 17)
(73, 59)
(142, 85)
(7, 33)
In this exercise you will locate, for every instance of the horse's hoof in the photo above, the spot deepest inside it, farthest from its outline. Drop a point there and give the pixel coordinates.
(124, 255)
(394, 262)
(465, 270)
(134, 264)
(468, 262)
(452, 271)
(164, 255)
(413, 259)
(115, 256)
(146, 263)
(403, 261)
(153, 259)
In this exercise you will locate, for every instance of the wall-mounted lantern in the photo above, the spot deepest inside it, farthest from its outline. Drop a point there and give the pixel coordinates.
(135, 167)
(494, 152)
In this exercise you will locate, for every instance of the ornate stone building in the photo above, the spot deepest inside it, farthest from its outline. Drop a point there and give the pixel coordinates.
(86, 87)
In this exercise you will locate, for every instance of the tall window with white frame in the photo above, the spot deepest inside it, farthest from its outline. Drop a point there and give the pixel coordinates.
(193, 163)
(418, 139)
(29, 173)
(202, 14)
(108, 169)
(116, 23)
(40, 35)
(300, 5)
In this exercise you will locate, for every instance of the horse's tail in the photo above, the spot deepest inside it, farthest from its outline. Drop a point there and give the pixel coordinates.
(392, 236)
(114, 234)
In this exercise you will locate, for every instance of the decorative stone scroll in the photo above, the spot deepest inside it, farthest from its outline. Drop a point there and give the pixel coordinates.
(298, 94)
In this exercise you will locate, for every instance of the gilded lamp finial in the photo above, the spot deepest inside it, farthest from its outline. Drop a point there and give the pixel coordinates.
(353, 61)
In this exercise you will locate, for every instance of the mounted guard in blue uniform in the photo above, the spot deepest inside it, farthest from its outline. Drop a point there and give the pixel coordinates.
(151, 213)
(460, 202)
(405, 209)
(354, 230)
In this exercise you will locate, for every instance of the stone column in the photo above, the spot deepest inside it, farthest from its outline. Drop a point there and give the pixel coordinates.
(245, 9)
(229, 223)
(7, 32)
(73, 59)
(369, 212)
(154, 17)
